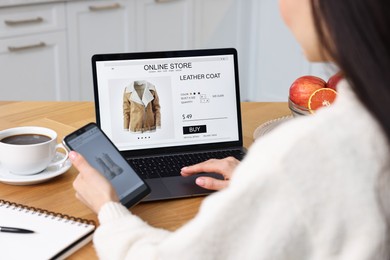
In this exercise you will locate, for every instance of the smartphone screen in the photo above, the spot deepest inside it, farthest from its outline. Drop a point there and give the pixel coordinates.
(101, 153)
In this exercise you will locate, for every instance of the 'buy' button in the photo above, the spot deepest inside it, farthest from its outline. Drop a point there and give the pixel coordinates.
(195, 129)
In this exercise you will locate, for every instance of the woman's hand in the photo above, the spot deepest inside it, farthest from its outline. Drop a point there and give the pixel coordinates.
(91, 187)
(225, 167)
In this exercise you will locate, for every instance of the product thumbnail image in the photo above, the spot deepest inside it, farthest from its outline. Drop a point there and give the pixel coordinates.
(141, 107)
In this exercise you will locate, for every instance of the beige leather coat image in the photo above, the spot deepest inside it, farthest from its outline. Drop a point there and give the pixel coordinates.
(141, 107)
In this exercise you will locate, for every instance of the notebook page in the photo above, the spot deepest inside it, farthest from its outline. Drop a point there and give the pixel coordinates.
(52, 233)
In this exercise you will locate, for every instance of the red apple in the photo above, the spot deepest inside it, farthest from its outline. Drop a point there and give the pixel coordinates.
(303, 87)
(334, 80)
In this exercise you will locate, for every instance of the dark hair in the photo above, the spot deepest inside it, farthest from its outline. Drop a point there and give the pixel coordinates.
(359, 43)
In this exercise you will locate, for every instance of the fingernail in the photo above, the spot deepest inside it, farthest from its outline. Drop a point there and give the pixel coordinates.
(72, 155)
(183, 169)
(200, 181)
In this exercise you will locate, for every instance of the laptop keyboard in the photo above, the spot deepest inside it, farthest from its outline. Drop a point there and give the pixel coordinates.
(170, 165)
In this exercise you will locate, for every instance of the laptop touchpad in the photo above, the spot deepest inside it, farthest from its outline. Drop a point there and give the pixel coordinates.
(186, 186)
(158, 190)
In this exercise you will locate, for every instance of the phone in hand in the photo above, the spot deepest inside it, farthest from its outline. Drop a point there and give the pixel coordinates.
(91, 142)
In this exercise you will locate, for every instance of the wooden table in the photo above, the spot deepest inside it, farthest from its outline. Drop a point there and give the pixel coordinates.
(58, 195)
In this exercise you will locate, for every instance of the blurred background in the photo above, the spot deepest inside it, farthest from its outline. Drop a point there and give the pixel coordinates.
(46, 45)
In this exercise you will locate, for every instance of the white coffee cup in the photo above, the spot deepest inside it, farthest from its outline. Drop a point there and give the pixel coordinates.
(29, 150)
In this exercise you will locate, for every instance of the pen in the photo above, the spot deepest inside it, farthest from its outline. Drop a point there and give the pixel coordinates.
(15, 230)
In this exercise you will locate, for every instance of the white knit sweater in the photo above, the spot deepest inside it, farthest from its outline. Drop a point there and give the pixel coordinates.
(307, 190)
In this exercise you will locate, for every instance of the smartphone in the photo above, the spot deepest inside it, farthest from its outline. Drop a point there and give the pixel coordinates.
(91, 142)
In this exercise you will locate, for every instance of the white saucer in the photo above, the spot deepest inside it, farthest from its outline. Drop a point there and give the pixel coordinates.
(269, 125)
(48, 173)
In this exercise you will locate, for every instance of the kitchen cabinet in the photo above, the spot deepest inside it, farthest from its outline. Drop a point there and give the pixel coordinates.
(96, 27)
(122, 26)
(142, 25)
(217, 23)
(224, 24)
(33, 53)
(46, 49)
(164, 24)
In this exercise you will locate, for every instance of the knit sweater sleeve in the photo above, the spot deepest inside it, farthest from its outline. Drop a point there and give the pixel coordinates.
(231, 224)
(122, 235)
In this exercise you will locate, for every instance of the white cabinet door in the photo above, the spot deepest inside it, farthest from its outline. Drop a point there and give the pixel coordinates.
(96, 27)
(34, 67)
(164, 24)
(217, 23)
(23, 20)
(225, 24)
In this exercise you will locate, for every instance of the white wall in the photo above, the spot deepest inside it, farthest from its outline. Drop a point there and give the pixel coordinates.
(275, 59)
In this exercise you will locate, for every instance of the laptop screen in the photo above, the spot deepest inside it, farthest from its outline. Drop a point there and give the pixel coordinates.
(168, 99)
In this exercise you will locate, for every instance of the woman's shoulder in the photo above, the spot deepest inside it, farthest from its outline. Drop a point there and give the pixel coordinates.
(347, 124)
(324, 164)
(338, 144)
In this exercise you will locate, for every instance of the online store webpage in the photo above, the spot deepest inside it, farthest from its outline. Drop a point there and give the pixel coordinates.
(168, 102)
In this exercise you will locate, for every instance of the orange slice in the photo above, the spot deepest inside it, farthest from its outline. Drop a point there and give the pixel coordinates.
(322, 97)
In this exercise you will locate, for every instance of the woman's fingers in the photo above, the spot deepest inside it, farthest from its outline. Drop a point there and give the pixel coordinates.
(221, 166)
(225, 167)
(211, 183)
(91, 187)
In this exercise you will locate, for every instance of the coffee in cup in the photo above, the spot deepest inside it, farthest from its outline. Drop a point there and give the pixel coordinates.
(22, 139)
(29, 150)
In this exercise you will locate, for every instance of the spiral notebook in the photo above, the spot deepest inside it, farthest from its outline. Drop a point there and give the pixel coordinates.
(56, 236)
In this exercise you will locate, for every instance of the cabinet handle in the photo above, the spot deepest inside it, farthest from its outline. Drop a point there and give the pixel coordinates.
(164, 1)
(26, 47)
(25, 21)
(104, 7)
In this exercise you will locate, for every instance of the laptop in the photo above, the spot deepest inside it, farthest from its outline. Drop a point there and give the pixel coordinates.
(166, 110)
